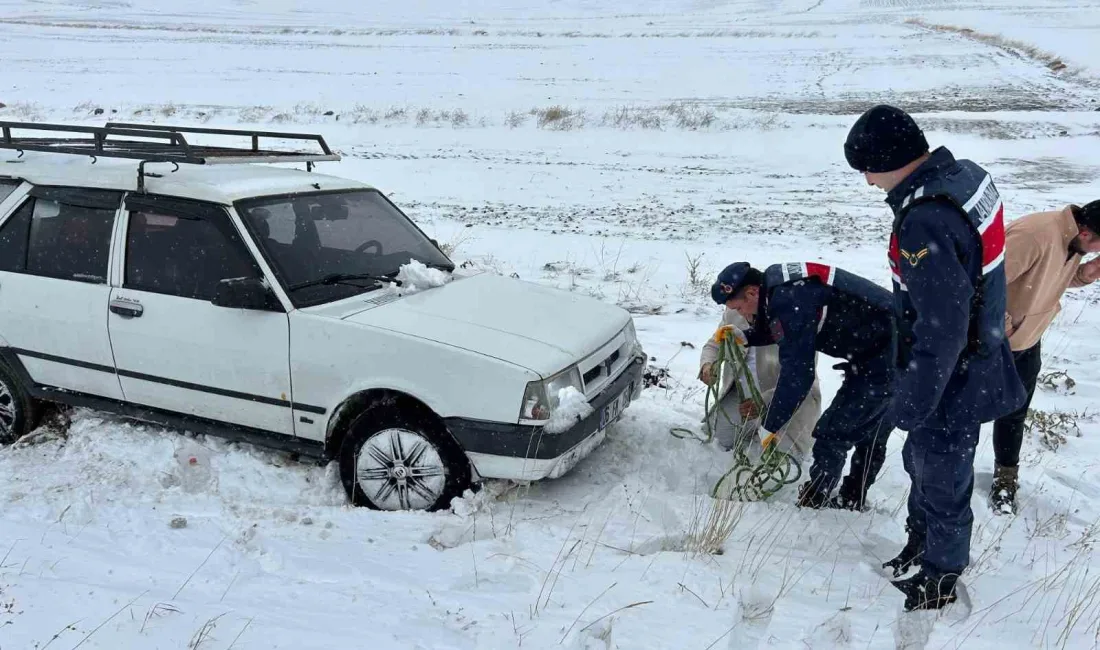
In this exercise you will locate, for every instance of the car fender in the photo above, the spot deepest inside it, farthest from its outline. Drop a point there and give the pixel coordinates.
(332, 360)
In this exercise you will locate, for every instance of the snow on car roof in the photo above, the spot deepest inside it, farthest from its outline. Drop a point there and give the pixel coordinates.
(218, 183)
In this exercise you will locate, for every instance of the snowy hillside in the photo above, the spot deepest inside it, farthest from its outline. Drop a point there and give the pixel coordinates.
(624, 150)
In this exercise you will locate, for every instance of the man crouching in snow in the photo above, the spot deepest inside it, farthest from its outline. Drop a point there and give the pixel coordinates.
(734, 420)
(807, 308)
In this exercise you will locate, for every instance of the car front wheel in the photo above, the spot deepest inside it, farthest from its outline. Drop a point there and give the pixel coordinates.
(17, 410)
(401, 461)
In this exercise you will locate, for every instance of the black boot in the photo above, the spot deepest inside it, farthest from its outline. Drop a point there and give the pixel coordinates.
(1002, 494)
(849, 497)
(908, 558)
(926, 591)
(810, 497)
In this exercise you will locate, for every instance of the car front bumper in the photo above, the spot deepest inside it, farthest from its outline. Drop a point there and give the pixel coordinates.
(529, 453)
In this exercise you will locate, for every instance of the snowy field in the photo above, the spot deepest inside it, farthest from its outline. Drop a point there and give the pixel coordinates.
(624, 150)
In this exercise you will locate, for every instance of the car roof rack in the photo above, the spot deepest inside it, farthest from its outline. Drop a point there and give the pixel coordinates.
(158, 143)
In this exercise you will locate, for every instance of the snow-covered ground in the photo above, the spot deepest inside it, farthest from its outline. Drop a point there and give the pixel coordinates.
(626, 151)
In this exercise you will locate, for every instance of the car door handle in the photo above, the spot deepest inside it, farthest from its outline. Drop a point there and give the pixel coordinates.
(127, 308)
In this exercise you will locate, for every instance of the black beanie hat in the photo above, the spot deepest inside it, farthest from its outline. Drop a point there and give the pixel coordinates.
(884, 139)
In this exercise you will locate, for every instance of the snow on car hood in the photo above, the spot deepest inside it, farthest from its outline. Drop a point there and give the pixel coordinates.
(534, 326)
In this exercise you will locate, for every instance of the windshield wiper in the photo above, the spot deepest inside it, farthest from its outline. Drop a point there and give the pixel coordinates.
(345, 278)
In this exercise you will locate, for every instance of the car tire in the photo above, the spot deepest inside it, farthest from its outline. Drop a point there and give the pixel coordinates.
(18, 412)
(394, 459)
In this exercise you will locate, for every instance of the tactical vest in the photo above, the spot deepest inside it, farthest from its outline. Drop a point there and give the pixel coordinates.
(970, 189)
(857, 288)
(857, 320)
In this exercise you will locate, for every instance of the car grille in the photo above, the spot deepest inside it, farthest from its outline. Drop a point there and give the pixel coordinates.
(601, 368)
(605, 364)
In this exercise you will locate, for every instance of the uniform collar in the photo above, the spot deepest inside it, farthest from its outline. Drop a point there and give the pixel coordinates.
(941, 158)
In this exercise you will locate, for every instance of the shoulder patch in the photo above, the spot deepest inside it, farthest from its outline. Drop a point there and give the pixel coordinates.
(914, 258)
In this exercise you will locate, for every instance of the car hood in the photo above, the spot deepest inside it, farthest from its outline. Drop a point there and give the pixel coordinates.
(531, 325)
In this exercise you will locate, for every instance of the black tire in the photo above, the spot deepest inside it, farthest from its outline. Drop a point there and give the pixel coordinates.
(408, 433)
(18, 411)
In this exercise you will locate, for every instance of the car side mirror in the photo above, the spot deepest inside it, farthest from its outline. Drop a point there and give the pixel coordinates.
(243, 293)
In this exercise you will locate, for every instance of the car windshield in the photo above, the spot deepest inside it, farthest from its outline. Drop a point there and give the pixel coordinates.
(310, 237)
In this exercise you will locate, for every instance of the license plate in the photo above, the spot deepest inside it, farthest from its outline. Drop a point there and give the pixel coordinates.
(612, 411)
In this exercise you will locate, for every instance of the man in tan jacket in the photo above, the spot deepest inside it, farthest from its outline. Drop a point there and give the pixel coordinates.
(1043, 254)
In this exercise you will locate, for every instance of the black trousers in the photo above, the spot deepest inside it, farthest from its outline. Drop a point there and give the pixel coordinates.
(1008, 432)
(857, 417)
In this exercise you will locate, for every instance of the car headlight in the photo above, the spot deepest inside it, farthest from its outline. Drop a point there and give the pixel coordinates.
(541, 397)
(632, 339)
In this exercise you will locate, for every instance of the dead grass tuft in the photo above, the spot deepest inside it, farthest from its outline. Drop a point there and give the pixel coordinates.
(25, 111)
(682, 115)
(395, 113)
(698, 278)
(559, 118)
(515, 119)
(1057, 379)
(454, 243)
(459, 118)
(1053, 427)
(204, 633)
(712, 524)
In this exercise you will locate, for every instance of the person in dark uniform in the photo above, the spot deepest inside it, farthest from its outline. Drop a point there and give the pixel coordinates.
(807, 308)
(955, 368)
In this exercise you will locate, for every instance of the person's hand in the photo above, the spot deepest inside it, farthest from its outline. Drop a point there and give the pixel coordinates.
(748, 409)
(706, 374)
(1090, 271)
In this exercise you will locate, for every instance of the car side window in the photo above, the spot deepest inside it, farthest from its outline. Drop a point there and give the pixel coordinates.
(276, 223)
(7, 186)
(13, 238)
(182, 253)
(70, 241)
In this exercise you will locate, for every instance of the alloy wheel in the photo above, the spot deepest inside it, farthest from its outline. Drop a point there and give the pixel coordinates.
(399, 469)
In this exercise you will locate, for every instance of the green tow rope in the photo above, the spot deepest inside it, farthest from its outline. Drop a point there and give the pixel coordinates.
(750, 481)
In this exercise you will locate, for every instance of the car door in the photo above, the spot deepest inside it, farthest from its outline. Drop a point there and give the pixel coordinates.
(55, 249)
(174, 348)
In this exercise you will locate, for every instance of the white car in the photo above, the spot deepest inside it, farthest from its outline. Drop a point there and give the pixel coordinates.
(184, 284)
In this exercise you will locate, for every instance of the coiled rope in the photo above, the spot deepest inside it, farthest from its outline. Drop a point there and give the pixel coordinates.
(746, 480)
